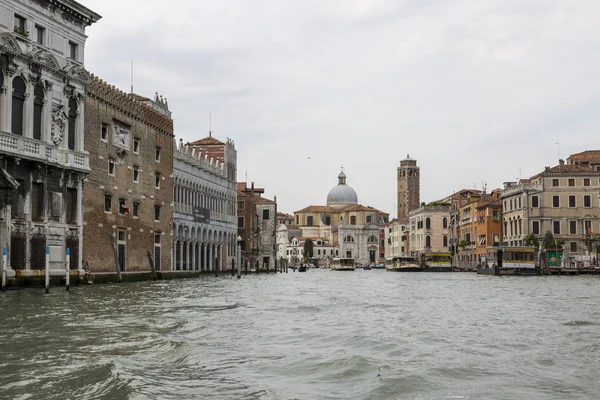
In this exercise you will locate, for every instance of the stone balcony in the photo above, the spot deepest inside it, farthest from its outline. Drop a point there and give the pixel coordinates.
(36, 150)
(525, 187)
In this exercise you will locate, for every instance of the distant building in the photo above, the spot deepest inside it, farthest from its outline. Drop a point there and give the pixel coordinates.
(128, 195)
(590, 158)
(42, 153)
(396, 238)
(284, 234)
(409, 187)
(562, 199)
(205, 205)
(351, 227)
(257, 224)
(286, 219)
(429, 229)
(456, 200)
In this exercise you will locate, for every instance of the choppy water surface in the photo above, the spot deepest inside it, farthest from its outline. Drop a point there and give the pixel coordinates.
(315, 335)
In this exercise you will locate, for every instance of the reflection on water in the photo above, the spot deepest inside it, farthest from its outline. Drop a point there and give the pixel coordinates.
(321, 334)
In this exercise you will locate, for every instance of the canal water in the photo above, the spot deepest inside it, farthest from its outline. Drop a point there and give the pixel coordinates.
(316, 335)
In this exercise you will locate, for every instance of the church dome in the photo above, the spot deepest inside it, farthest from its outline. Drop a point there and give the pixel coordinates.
(342, 194)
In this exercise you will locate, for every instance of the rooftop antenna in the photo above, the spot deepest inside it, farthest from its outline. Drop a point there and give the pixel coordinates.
(246, 177)
(132, 77)
(557, 150)
(519, 173)
(209, 125)
(483, 186)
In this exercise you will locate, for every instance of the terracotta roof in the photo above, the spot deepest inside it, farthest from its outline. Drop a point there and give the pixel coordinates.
(588, 156)
(209, 140)
(567, 169)
(315, 209)
(260, 199)
(360, 207)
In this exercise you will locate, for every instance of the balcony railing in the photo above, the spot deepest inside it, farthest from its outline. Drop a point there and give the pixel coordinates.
(20, 146)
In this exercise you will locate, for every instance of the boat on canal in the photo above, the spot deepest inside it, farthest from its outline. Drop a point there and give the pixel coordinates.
(509, 260)
(437, 262)
(403, 264)
(343, 264)
(302, 268)
(367, 268)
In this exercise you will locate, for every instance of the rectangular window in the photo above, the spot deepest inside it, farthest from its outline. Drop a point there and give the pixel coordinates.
(20, 25)
(136, 209)
(37, 201)
(107, 203)
(572, 227)
(157, 213)
(535, 227)
(556, 201)
(266, 214)
(586, 181)
(353, 220)
(240, 222)
(136, 174)
(556, 227)
(572, 203)
(519, 202)
(587, 201)
(240, 205)
(73, 49)
(368, 219)
(111, 167)
(122, 207)
(573, 247)
(554, 182)
(157, 154)
(71, 206)
(571, 182)
(40, 34)
(157, 181)
(309, 220)
(328, 220)
(297, 219)
(535, 201)
(136, 145)
(104, 132)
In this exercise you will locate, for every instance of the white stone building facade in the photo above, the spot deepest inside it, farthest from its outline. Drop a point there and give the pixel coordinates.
(429, 229)
(204, 217)
(42, 157)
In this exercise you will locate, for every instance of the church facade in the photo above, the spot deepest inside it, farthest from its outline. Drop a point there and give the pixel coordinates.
(352, 228)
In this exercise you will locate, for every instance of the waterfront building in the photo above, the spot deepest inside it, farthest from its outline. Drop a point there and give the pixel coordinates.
(456, 201)
(562, 199)
(429, 229)
(323, 251)
(396, 238)
(128, 194)
(204, 212)
(257, 224)
(409, 187)
(43, 160)
(480, 227)
(285, 233)
(350, 226)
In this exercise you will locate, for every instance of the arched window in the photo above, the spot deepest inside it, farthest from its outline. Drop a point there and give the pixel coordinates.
(427, 223)
(445, 241)
(72, 122)
(38, 106)
(445, 223)
(18, 105)
(427, 241)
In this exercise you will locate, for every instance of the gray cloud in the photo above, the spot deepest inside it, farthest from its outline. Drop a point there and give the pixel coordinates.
(473, 90)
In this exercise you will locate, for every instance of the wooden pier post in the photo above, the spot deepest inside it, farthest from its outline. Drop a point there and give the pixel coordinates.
(47, 269)
(4, 269)
(67, 268)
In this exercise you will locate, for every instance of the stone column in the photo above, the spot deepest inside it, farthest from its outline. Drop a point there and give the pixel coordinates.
(79, 260)
(180, 258)
(193, 256)
(174, 266)
(210, 257)
(204, 256)
(188, 246)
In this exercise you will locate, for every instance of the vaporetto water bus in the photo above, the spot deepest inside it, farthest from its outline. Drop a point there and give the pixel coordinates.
(437, 262)
(403, 264)
(507, 260)
(342, 264)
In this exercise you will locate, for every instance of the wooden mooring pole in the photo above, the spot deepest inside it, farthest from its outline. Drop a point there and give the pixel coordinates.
(4, 269)
(67, 268)
(47, 269)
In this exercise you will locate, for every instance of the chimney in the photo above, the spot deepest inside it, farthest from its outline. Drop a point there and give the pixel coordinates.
(561, 162)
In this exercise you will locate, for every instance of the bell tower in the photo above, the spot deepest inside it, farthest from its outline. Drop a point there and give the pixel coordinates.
(409, 187)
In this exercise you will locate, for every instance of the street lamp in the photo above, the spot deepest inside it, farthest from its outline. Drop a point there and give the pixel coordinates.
(239, 257)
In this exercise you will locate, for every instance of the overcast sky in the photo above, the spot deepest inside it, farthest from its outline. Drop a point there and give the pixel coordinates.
(476, 91)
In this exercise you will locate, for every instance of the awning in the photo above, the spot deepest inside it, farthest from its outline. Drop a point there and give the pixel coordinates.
(7, 179)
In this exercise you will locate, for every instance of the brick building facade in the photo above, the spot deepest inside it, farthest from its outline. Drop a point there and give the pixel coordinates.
(128, 196)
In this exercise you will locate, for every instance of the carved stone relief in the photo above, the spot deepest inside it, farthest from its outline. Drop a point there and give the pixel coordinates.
(59, 121)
